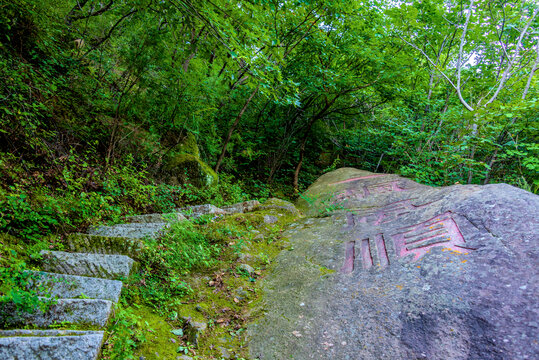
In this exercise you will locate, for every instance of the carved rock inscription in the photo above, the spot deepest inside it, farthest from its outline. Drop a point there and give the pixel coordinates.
(362, 192)
(418, 239)
(414, 240)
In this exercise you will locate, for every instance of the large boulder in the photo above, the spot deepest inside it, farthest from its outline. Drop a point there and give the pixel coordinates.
(188, 146)
(398, 270)
(187, 168)
(185, 165)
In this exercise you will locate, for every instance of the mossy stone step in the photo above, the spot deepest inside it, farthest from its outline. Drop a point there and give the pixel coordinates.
(240, 208)
(92, 313)
(196, 211)
(103, 244)
(64, 286)
(85, 264)
(50, 344)
(155, 218)
(132, 231)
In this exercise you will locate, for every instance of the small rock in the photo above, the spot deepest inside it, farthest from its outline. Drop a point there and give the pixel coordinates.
(193, 212)
(247, 268)
(270, 219)
(241, 294)
(243, 256)
(225, 354)
(242, 207)
(194, 329)
(296, 333)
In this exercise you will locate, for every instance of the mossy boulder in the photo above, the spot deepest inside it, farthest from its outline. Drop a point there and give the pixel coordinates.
(278, 205)
(188, 146)
(187, 168)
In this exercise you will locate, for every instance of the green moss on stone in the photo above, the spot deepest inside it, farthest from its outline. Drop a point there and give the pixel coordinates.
(189, 168)
(188, 146)
(102, 245)
(279, 205)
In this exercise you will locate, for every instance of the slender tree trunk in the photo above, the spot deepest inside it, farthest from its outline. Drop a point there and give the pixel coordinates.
(490, 164)
(233, 127)
(300, 162)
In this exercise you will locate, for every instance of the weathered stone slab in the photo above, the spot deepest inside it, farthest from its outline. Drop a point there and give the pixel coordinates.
(86, 312)
(133, 231)
(155, 218)
(279, 206)
(50, 344)
(405, 271)
(86, 264)
(64, 286)
(241, 207)
(196, 211)
(103, 244)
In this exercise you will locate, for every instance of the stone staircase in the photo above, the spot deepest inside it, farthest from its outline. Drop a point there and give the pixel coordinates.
(84, 279)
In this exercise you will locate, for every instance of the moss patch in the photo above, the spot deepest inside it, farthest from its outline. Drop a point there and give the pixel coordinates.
(188, 146)
(189, 168)
(160, 342)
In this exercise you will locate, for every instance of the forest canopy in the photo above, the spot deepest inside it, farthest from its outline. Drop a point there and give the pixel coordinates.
(273, 92)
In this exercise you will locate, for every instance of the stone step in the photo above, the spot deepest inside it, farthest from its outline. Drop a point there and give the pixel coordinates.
(133, 231)
(103, 244)
(196, 211)
(155, 218)
(85, 264)
(84, 312)
(241, 207)
(50, 344)
(64, 286)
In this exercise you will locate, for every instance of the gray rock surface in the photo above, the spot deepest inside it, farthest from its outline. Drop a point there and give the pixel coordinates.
(86, 312)
(85, 264)
(241, 207)
(270, 219)
(104, 244)
(247, 268)
(50, 344)
(194, 329)
(133, 231)
(73, 287)
(196, 211)
(155, 218)
(405, 271)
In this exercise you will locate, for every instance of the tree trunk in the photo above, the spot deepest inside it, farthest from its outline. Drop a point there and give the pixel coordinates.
(300, 162)
(232, 128)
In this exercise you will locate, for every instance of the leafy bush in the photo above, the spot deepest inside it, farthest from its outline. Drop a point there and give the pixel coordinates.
(14, 290)
(165, 260)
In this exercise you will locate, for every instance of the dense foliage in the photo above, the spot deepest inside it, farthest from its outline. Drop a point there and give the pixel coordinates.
(96, 96)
